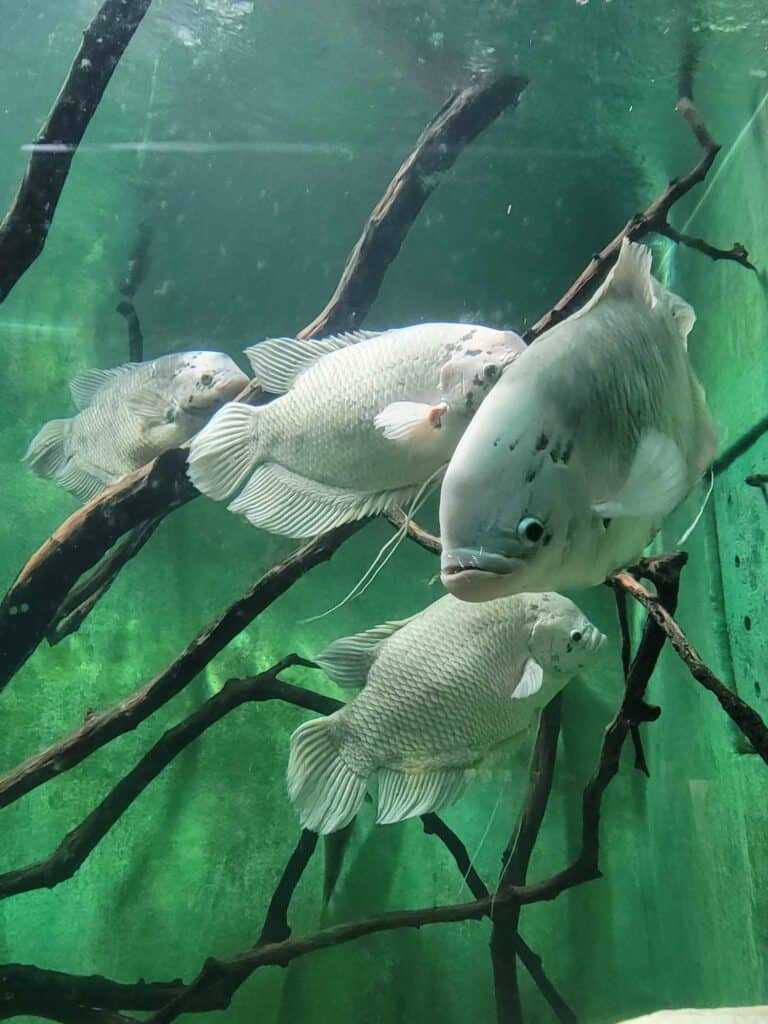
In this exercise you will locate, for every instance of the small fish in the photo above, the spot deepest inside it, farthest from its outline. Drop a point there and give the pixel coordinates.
(129, 415)
(362, 422)
(594, 435)
(443, 691)
(722, 1015)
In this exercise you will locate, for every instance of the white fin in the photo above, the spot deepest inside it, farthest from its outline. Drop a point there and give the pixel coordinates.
(530, 681)
(281, 501)
(408, 422)
(326, 793)
(46, 453)
(347, 661)
(656, 483)
(87, 384)
(151, 406)
(408, 794)
(225, 451)
(279, 361)
(629, 277)
(79, 481)
(682, 312)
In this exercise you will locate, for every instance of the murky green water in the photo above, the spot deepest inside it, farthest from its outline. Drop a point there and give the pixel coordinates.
(253, 139)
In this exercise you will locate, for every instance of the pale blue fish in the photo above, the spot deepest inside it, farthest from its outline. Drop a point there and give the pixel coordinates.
(442, 693)
(129, 415)
(594, 435)
(362, 422)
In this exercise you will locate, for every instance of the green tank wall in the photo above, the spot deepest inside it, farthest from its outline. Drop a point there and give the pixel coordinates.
(249, 244)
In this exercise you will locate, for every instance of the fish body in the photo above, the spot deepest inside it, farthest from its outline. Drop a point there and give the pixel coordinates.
(586, 443)
(362, 422)
(129, 415)
(442, 692)
(721, 1015)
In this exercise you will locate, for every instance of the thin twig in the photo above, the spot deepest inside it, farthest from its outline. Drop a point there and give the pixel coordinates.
(101, 727)
(24, 230)
(746, 718)
(737, 253)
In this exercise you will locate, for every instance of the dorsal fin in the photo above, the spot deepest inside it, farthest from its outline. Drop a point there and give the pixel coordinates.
(89, 383)
(347, 661)
(279, 361)
(629, 277)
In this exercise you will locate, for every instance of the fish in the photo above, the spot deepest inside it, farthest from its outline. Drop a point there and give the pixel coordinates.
(442, 693)
(362, 421)
(587, 442)
(721, 1015)
(129, 415)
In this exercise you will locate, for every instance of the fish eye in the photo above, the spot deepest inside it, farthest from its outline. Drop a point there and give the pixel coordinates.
(531, 529)
(576, 635)
(206, 379)
(491, 372)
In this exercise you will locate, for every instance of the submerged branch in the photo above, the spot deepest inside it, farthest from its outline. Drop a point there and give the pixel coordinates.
(83, 539)
(101, 727)
(746, 718)
(81, 600)
(24, 230)
(127, 310)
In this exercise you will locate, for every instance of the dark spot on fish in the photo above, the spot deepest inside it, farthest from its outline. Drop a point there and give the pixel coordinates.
(496, 443)
(546, 539)
(737, 561)
(606, 523)
(567, 452)
(568, 648)
(541, 442)
(758, 689)
(467, 336)
(747, 623)
(554, 451)
(730, 498)
(470, 401)
(530, 475)
(477, 380)
(513, 445)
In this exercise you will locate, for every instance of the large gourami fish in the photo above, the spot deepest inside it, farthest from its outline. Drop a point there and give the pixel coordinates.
(129, 415)
(588, 441)
(442, 692)
(362, 422)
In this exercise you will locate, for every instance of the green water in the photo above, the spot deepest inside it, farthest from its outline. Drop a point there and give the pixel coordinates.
(256, 138)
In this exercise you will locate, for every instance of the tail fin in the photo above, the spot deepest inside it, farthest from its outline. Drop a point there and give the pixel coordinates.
(46, 454)
(327, 794)
(225, 451)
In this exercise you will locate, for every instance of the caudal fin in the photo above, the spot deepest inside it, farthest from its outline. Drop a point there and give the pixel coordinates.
(225, 451)
(47, 454)
(326, 793)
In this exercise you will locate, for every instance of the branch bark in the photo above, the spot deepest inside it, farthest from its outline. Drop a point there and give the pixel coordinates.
(24, 230)
(81, 541)
(101, 727)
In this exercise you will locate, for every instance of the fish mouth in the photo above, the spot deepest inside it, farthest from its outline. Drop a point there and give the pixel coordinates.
(476, 576)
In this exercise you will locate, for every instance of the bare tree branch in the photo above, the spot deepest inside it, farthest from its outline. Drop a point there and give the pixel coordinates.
(745, 717)
(101, 727)
(25, 229)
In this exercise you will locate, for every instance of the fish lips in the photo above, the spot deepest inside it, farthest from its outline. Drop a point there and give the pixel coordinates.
(472, 575)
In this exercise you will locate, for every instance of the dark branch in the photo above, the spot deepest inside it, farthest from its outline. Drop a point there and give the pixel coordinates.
(81, 600)
(161, 486)
(737, 253)
(426, 540)
(127, 310)
(101, 727)
(24, 231)
(746, 718)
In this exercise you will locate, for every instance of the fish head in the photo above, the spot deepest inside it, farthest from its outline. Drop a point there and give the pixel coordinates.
(677, 315)
(562, 638)
(515, 515)
(201, 382)
(474, 363)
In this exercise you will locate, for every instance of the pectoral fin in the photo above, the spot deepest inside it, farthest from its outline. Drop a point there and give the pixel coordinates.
(410, 422)
(151, 406)
(656, 483)
(530, 681)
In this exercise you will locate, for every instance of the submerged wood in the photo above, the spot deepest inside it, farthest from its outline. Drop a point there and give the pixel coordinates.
(83, 539)
(102, 726)
(24, 230)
